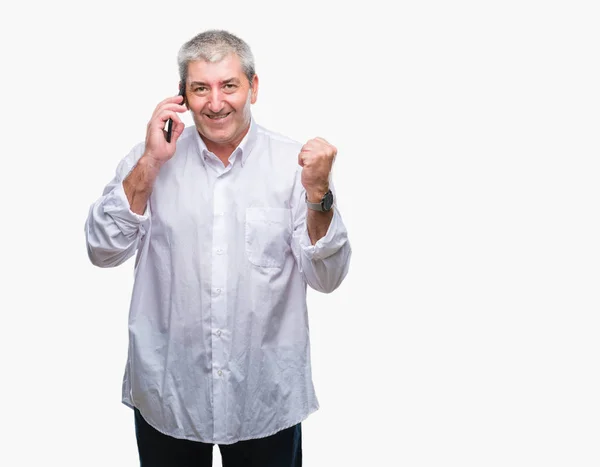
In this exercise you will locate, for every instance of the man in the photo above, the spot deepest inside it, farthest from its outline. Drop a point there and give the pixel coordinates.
(230, 222)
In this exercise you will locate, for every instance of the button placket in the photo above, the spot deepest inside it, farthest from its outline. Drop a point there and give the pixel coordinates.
(219, 303)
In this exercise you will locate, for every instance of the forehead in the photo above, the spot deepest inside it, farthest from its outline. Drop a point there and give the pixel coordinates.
(229, 67)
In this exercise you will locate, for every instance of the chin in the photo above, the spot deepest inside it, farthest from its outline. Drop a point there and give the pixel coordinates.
(218, 138)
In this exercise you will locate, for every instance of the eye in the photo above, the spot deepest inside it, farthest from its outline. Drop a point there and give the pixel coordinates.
(229, 87)
(200, 89)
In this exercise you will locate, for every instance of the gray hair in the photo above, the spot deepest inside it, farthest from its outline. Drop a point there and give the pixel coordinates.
(213, 46)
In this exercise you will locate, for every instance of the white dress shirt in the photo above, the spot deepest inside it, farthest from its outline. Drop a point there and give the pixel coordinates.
(219, 347)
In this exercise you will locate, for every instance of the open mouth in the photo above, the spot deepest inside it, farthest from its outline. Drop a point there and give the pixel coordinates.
(218, 117)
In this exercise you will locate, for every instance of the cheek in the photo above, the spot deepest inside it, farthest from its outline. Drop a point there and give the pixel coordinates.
(241, 103)
(195, 104)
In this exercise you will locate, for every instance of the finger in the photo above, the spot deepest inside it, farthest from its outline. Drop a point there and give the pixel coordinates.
(169, 106)
(177, 130)
(326, 147)
(309, 146)
(160, 120)
(169, 100)
(176, 99)
(174, 106)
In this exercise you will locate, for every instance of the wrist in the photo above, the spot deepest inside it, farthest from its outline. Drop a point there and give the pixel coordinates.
(149, 163)
(315, 195)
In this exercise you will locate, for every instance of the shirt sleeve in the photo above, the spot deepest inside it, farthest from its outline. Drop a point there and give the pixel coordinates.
(325, 264)
(112, 230)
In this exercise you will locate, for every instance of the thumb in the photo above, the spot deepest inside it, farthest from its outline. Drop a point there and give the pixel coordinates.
(178, 128)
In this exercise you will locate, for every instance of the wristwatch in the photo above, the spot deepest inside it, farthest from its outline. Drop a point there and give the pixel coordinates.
(325, 205)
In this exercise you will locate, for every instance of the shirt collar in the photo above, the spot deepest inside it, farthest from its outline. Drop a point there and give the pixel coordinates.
(245, 147)
(249, 141)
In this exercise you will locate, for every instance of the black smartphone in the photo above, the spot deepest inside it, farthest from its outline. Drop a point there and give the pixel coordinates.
(170, 121)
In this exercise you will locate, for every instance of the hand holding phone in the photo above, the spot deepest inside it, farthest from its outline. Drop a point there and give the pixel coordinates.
(170, 121)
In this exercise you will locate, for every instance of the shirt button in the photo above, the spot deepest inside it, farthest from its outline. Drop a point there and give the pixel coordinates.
(220, 373)
(218, 332)
(217, 291)
(219, 251)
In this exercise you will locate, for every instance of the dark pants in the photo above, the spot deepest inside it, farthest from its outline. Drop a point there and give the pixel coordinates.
(283, 449)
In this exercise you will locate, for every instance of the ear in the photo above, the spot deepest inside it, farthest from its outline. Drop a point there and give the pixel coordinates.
(254, 89)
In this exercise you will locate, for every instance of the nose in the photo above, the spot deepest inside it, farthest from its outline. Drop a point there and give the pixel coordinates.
(215, 101)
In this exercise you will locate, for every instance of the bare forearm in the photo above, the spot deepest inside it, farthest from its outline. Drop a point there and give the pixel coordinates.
(139, 183)
(317, 224)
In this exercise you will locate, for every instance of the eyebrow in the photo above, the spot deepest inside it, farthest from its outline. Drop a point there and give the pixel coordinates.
(226, 81)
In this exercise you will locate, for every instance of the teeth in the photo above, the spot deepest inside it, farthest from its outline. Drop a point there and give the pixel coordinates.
(217, 117)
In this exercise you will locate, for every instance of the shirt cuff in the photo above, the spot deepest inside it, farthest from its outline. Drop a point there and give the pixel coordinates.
(116, 205)
(327, 245)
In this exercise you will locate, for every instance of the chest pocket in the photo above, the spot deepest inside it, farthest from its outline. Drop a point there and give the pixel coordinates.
(268, 235)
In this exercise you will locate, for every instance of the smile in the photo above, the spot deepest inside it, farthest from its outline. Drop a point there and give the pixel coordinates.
(218, 117)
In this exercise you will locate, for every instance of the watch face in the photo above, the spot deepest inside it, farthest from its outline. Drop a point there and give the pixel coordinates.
(327, 201)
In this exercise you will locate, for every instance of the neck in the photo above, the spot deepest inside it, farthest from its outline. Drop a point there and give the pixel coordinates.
(224, 150)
